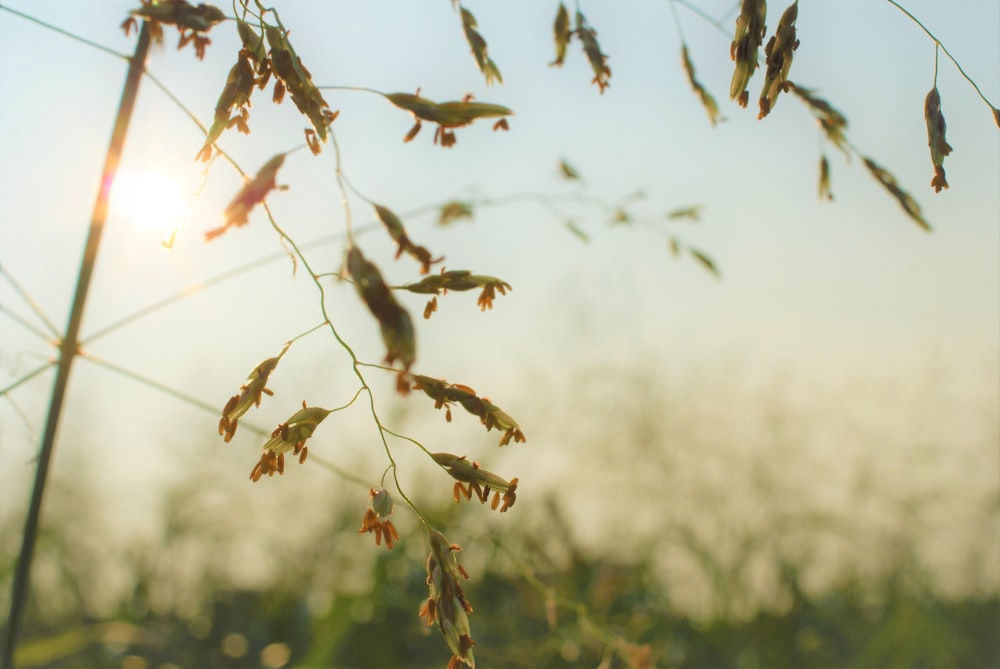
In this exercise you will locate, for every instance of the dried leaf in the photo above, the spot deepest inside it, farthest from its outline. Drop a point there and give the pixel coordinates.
(398, 234)
(905, 200)
(707, 101)
(253, 193)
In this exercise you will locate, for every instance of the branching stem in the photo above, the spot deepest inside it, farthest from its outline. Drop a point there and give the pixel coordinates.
(946, 52)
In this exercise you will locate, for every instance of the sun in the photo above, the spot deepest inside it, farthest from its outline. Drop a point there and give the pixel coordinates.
(151, 200)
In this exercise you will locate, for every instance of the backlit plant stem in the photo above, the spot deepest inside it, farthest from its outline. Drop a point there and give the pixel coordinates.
(69, 346)
(944, 49)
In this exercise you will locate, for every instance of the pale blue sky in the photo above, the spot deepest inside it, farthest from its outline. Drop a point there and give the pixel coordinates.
(832, 292)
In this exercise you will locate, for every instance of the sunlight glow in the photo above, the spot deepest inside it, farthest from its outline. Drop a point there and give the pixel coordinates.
(152, 201)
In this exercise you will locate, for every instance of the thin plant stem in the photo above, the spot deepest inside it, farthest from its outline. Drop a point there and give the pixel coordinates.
(698, 11)
(946, 52)
(26, 324)
(69, 346)
(22, 415)
(35, 307)
(163, 388)
(27, 377)
(65, 33)
(677, 21)
(204, 406)
(937, 53)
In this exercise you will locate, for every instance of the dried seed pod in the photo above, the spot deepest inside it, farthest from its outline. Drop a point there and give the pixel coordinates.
(240, 84)
(289, 436)
(447, 604)
(490, 415)
(394, 321)
(447, 115)
(561, 33)
(905, 200)
(479, 49)
(824, 179)
(250, 395)
(472, 479)
(831, 121)
(461, 280)
(935, 138)
(750, 31)
(454, 210)
(253, 193)
(591, 47)
(376, 518)
(778, 54)
(398, 233)
(294, 77)
(707, 101)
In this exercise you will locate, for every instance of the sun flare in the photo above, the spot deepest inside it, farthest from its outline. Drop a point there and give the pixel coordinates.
(151, 200)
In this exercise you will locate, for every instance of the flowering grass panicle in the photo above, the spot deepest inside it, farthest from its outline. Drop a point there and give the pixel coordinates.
(376, 518)
(471, 478)
(446, 603)
(289, 436)
(935, 138)
(250, 395)
(749, 36)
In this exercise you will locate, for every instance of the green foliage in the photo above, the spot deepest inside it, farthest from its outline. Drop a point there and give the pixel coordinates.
(572, 608)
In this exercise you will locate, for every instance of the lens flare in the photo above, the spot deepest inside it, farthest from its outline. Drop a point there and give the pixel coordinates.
(152, 201)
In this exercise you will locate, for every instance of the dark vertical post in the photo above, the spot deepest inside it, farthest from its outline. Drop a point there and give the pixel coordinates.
(69, 346)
